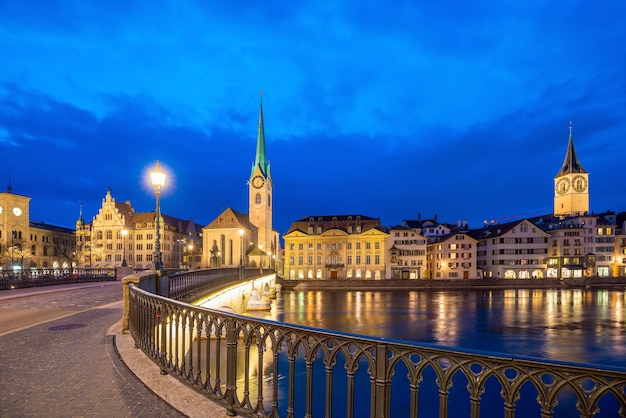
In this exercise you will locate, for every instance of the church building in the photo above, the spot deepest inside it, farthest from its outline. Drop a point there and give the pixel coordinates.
(237, 239)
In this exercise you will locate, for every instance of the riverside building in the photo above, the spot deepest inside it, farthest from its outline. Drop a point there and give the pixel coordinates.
(27, 245)
(119, 236)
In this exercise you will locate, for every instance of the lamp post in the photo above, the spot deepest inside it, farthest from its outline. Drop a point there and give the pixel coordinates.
(158, 180)
(124, 232)
(241, 253)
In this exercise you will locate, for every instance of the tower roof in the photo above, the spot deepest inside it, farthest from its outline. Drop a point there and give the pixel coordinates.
(260, 160)
(571, 164)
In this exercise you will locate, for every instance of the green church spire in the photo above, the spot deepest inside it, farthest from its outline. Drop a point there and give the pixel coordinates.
(261, 159)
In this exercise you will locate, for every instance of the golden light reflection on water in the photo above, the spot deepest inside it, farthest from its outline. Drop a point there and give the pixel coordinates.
(580, 325)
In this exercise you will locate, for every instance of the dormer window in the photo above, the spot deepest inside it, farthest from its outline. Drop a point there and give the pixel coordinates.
(319, 229)
(349, 229)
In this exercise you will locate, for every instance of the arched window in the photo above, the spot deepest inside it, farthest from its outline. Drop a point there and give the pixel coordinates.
(269, 201)
(109, 234)
(99, 235)
(257, 199)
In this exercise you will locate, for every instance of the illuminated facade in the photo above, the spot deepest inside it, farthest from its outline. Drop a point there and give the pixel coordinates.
(451, 256)
(335, 247)
(31, 245)
(102, 242)
(515, 250)
(406, 252)
(235, 238)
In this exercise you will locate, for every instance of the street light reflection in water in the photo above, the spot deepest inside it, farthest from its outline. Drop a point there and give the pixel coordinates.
(579, 325)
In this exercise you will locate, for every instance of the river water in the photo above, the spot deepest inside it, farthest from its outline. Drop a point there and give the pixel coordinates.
(578, 325)
(573, 325)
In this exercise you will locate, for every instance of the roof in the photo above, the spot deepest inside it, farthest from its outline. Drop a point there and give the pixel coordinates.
(571, 164)
(230, 218)
(340, 222)
(53, 228)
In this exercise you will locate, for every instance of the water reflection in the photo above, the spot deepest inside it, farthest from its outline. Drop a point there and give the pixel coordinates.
(578, 325)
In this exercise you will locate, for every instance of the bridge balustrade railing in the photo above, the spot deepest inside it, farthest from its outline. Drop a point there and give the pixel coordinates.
(256, 367)
(35, 277)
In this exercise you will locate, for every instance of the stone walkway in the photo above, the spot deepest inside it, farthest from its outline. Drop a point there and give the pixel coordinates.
(82, 366)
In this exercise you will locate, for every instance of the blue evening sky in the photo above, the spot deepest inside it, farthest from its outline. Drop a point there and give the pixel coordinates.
(385, 109)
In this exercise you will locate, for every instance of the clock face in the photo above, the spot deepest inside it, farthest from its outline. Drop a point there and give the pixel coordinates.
(562, 186)
(257, 182)
(579, 184)
(17, 211)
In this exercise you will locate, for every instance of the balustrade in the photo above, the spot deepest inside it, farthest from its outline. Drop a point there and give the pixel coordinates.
(257, 367)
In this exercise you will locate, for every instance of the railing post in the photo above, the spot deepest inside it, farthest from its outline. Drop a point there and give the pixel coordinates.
(382, 401)
(126, 296)
(231, 367)
(163, 328)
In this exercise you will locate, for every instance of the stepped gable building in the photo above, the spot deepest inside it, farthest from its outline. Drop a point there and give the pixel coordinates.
(235, 238)
(25, 244)
(119, 236)
(335, 247)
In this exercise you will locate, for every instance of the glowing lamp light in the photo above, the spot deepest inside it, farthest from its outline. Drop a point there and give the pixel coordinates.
(158, 176)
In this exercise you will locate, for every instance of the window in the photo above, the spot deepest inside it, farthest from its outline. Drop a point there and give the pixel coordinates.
(368, 259)
(257, 199)
(377, 259)
(109, 235)
(139, 258)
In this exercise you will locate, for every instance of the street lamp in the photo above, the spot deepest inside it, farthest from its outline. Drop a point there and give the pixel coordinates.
(124, 232)
(241, 253)
(158, 180)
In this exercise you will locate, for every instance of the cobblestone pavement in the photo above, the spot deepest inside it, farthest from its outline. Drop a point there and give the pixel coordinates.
(69, 367)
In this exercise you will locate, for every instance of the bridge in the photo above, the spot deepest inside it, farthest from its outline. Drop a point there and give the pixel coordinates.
(255, 367)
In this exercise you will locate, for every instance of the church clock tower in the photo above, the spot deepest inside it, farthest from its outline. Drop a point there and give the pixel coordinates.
(571, 185)
(260, 193)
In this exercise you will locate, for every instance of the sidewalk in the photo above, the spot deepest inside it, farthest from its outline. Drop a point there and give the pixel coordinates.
(78, 363)
(166, 387)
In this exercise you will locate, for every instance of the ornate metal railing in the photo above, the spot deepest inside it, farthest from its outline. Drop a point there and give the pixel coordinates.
(50, 277)
(182, 286)
(264, 368)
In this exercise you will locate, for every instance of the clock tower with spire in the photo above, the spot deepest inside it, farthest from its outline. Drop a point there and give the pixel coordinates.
(571, 185)
(260, 194)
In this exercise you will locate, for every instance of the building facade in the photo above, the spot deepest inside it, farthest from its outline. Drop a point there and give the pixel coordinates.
(119, 236)
(515, 250)
(335, 247)
(27, 245)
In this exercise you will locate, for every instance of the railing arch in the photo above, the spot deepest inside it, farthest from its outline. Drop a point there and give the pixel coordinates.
(256, 367)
